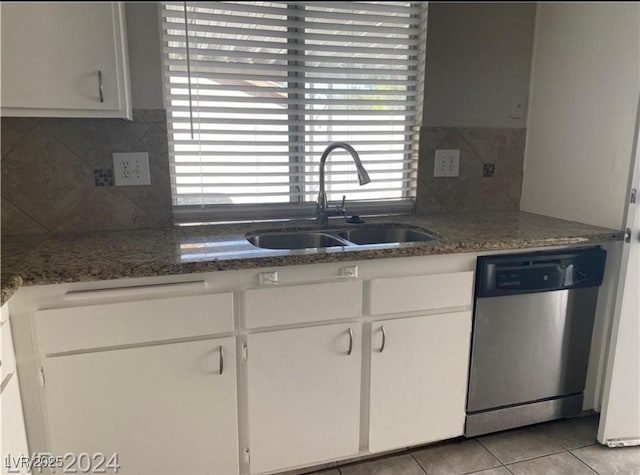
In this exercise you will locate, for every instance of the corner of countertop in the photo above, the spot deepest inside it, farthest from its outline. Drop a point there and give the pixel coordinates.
(9, 284)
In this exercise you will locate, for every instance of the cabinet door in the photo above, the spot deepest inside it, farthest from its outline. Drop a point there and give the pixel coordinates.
(164, 409)
(56, 56)
(13, 437)
(418, 379)
(303, 395)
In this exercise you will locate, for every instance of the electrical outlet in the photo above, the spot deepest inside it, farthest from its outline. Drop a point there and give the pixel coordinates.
(447, 163)
(131, 169)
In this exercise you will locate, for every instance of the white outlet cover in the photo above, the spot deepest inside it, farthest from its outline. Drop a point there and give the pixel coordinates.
(131, 169)
(447, 163)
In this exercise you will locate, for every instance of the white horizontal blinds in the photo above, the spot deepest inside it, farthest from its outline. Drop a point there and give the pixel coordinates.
(272, 84)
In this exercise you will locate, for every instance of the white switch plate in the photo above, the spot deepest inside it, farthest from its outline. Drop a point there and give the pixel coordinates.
(517, 105)
(447, 163)
(130, 169)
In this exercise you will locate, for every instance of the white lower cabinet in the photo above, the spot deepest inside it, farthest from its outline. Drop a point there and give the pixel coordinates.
(112, 382)
(13, 439)
(165, 409)
(418, 379)
(303, 395)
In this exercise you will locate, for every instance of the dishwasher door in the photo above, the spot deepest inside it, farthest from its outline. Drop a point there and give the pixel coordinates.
(530, 347)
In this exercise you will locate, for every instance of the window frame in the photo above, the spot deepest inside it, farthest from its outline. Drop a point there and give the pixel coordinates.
(297, 207)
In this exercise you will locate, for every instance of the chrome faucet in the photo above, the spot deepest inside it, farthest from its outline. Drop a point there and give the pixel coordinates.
(322, 214)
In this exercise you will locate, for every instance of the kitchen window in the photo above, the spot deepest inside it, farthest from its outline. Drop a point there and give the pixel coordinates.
(255, 91)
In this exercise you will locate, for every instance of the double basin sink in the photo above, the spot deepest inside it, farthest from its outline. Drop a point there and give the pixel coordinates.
(357, 236)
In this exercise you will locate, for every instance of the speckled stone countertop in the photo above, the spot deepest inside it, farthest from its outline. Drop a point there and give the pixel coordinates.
(51, 259)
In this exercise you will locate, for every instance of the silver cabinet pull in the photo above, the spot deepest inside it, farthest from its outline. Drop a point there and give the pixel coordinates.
(350, 343)
(384, 339)
(221, 359)
(100, 86)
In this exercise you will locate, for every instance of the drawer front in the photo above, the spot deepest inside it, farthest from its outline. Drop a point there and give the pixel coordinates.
(270, 306)
(422, 292)
(96, 326)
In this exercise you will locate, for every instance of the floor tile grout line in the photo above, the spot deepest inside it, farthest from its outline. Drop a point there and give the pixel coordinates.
(424, 470)
(583, 462)
(487, 449)
(537, 457)
(411, 451)
(583, 446)
(483, 469)
(507, 469)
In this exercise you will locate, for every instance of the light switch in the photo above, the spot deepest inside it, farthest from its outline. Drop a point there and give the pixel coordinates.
(447, 163)
(517, 105)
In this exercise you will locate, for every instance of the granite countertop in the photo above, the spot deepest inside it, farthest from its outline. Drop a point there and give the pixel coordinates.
(57, 258)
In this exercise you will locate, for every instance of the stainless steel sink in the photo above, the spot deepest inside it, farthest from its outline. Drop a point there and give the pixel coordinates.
(380, 235)
(358, 236)
(295, 240)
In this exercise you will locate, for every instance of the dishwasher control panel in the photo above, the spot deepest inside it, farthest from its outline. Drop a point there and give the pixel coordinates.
(539, 272)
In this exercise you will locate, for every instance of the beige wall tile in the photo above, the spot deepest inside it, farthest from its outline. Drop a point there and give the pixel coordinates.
(48, 181)
(470, 191)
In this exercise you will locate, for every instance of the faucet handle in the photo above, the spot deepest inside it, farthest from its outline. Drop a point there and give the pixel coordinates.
(340, 210)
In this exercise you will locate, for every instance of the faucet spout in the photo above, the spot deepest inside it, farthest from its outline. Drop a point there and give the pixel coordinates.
(322, 216)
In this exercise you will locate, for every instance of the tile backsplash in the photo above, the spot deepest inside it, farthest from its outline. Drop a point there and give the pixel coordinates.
(491, 164)
(54, 174)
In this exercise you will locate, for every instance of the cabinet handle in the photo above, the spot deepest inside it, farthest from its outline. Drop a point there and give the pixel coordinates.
(350, 343)
(221, 359)
(100, 86)
(384, 339)
(138, 290)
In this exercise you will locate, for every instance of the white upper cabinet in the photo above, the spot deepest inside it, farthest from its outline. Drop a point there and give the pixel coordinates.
(64, 60)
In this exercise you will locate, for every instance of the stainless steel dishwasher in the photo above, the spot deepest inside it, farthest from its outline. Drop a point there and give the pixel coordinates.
(532, 329)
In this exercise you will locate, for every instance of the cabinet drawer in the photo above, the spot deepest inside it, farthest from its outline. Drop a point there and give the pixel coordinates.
(95, 326)
(271, 306)
(422, 292)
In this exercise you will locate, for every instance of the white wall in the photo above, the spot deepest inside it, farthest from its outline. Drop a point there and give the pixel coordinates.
(478, 54)
(583, 99)
(143, 36)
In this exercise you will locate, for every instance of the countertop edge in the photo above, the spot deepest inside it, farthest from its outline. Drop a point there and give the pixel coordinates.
(11, 282)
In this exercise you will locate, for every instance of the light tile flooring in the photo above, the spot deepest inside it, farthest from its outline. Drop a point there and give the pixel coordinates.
(560, 447)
